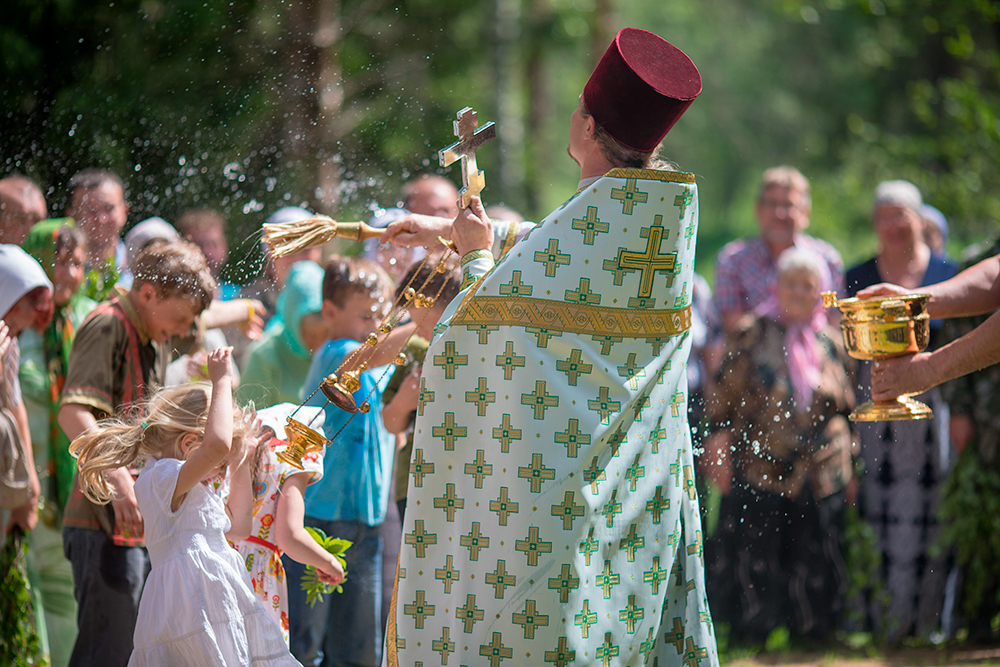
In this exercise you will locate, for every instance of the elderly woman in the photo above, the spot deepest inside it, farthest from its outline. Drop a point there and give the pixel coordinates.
(905, 461)
(780, 450)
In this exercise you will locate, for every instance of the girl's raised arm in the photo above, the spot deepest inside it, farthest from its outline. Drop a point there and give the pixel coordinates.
(203, 456)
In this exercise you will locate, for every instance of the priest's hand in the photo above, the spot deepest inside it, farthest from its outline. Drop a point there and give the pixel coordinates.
(416, 229)
(472, 229)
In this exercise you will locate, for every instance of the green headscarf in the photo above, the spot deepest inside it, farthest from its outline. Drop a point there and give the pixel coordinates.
(41, 242)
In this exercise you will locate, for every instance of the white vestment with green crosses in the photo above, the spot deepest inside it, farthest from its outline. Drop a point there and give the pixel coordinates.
(552, 516)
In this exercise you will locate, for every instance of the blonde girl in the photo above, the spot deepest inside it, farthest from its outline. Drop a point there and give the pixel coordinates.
(197, 607)
(278, 514)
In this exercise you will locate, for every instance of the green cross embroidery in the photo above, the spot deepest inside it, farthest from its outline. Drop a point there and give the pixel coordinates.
(606, 651)
(419, 468)
(449, 360)
(689, 233)
(564, 583)
(589, 546)
(448, 574)
(676, 637)
(629, 196)
(606, 343)
(657, 343)
(543, 335)
(611, 509)
(419, 610)
(617, 439)
(449, 502)
(515, 287)
(500, 579)
(509, 361)
(583, 295)
(572, 438)
(618, 271)
(632, 543)
(591, 225)
(419, 538)
(705, 616)
(639, 406)
(693, 655)
(505, 434)
(594, 476)
(682, 201)
(552, 258)
(443, 645)
(495, 650)
(533, 545)
(634, 473)
(540, 400)
(631, 614)
(585, 619)
(655, 575)
(479, 468)
(573, 366)
(675, 469)
(676, 399)
(503, 506)
(562, 655)
(536, 473)
(697, 547)
(474, 541)
(603, 404)
(672, 539)
(657, 435)
(529, 619)
(647, 646)
(449, 431)
(468, 613)
(568, 510)
(676, 570)
(481, 396)
(689, 484)
(657, 504)
(682, 299)
(648, 262)
(426, 396)
(483, 330)
(606, 580)
(631, 372)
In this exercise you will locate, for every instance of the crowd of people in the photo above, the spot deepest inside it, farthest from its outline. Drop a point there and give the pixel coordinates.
(536, 421)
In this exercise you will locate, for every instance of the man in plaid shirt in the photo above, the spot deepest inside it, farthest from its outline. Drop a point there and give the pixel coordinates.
(745, 270)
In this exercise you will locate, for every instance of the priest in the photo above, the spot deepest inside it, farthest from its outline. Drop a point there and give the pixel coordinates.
(552, 515)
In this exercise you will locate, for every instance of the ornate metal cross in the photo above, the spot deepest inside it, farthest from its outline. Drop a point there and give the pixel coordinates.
(469, 139)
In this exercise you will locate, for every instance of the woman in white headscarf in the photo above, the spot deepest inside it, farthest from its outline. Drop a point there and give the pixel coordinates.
(25, 302)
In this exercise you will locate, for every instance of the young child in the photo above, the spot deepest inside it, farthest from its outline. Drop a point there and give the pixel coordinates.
(350, 501)
(118, 357)
(278, 512)
(196, 608)
(400, 396)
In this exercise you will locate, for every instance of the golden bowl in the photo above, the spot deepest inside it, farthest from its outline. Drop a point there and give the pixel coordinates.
(301, 440)
(882, 328)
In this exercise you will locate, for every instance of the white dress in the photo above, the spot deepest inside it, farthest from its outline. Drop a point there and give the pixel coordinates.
(197, 607)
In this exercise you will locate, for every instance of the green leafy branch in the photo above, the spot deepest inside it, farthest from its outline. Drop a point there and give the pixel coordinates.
(311, 584)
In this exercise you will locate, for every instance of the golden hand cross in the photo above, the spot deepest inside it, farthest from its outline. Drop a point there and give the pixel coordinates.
(469, 139)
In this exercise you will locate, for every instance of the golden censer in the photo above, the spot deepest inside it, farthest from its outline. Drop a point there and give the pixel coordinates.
(882, 328)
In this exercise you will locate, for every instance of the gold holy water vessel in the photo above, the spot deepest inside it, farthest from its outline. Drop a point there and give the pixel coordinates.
(881, 328)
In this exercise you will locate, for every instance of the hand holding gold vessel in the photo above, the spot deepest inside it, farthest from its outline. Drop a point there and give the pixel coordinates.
(881, 329)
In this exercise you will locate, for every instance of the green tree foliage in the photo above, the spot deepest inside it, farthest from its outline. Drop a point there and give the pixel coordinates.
(253, 104)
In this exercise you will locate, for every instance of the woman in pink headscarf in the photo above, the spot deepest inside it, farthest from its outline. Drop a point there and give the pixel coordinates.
(780, 450)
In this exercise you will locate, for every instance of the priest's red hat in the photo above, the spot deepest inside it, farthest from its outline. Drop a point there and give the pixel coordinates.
(639, 89)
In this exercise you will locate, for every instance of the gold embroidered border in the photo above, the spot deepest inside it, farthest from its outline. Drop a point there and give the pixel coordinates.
(573, 318)
(652, 175)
